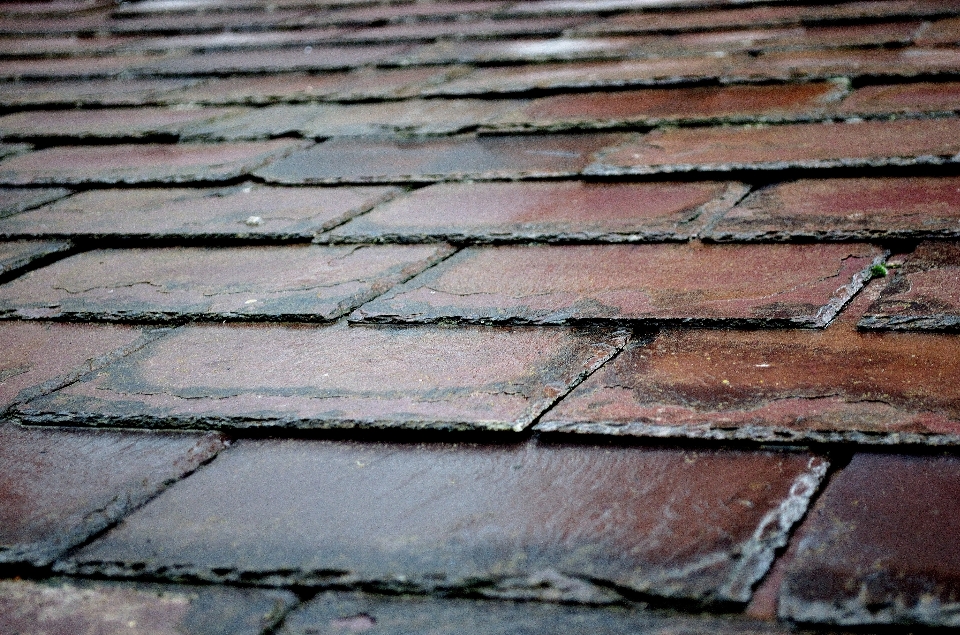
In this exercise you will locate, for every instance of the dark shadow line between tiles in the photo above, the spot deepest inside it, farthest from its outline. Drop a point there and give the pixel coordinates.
(72, 249)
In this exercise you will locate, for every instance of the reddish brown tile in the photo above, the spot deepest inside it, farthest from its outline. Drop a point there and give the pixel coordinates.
(59, 487)
(396, 616)
(655, 106)
(662, 283)
(528, 517)
(921, 97)
(38, 358)
(15, 200)
(940, 33)
(871, 62)
(845, 209)
(879, 546)
(923, 295)
(865, 144)
(835, 385)
(337, 377)
(246, 212)
(143, 163)
(567, 211)
(388, 160)
(300, 282)
(116, 123)
(19, 254)
(68, 607)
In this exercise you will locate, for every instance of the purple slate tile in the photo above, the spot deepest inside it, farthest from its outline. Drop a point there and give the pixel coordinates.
(17, 255)
(923, 295)
(537, 520)
(756, 285)
(336, 377)
(302, 282)
(59, 487)
(68, 607)
(880, 546)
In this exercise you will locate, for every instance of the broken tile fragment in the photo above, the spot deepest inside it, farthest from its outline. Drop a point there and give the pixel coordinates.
(879, 546)
(14, 200)
(67, 607)
(303, 282)
(37, 358)
(756, 285)
(541, 520)
(141, 163)
(557, 211)
(845, 209)
(59, 487)
(391, 615)
(922, 295)
(815, 145)
(234, 213)
(336, 377)
(393, 160)
(834, 385)
(17, 255)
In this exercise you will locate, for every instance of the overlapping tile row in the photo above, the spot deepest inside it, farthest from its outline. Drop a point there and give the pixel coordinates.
(385, 303)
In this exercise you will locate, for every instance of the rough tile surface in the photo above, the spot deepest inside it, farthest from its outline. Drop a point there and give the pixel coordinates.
(662, 283)
(305, 282)
(878, 547)
(695, 524)
(68, 607)
(845, 209)
(567, 211)
(17, 255)
(107, 123)
(922, 295)
(15, 200)
(61, 487)
(251, 212)
(338, 376)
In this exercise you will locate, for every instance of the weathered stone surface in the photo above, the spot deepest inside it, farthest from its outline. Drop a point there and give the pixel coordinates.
(330, 613)
(662, 283)
(141, 163)
(388, 160)
(303, 282)
(13, 149)
(14, 200)
(869, 143)
(19, 254)
(567, 211)
(336, 377)
(879, 546)
(533, 519)
(109, 92)
(835, 385)
(245, 212)
(656, 106)
(38, 358)
(923, 295)
(920, 97)
(59, 487)
(845, 209)
(108, 123)
(69, 607)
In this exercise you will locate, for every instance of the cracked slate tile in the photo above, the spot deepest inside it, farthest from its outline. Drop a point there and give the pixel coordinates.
(37, 358)
(923, 295)
(528, 520)
(549, 211)
(60, 487)
(141, 163)
(845, 209)
(333, 612)
(815, 145)
(17, 255)
(879, 546)
(14, 200)
(376, 160)
(834, 385)
(67, 607)
(289, 376)
(755, 285)
(243, 212)
(303, 282)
